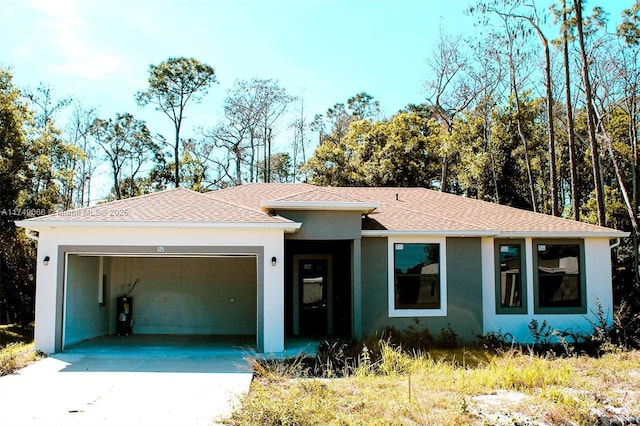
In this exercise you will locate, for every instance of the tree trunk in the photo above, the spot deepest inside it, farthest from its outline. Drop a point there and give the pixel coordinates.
(444, 187)
(575, 202)
(625, 194)
(595, 157)
(176, 155)
(519, 122)
(552, 145)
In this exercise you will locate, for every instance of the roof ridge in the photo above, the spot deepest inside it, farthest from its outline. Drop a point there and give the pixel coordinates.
(333, 190)
(247, 208)
(306, 191)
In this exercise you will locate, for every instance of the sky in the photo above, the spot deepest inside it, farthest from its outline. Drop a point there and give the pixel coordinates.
(322, 51)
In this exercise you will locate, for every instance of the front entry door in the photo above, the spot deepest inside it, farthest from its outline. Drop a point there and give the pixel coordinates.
(314, 296)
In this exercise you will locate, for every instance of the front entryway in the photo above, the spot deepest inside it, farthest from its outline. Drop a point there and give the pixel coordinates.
(313, 296)
(318, 289)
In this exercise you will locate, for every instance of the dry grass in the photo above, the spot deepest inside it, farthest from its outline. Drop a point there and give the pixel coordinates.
(454, 388)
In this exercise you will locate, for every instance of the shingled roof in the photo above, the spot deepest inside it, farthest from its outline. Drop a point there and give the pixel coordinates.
(174, 206)
(409, 210)
(385, 211)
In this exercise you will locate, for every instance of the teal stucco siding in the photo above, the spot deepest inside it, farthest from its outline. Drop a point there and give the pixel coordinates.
(464, 290)
(324, 225)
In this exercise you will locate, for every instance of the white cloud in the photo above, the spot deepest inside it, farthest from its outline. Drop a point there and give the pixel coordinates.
(72, 41)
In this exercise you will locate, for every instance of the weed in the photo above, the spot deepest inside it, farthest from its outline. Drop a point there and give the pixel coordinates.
(626, 326)
(496, 341)
(448, 338)
(15, 356)
(541, 333)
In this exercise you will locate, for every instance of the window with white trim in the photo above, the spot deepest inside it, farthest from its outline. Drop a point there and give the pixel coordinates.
(416, 277)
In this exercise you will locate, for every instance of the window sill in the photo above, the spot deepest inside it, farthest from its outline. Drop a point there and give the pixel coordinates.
(405, 313)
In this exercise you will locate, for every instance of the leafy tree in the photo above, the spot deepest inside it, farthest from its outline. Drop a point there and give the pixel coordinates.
(16, 253)
(629, 27)
(51, 158)
(280, 168)
(401, 151)
(172, 84)
(332, 163)
(202, 170)
(363, 106)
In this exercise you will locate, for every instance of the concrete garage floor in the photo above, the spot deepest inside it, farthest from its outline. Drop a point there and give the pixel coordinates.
(134, 380)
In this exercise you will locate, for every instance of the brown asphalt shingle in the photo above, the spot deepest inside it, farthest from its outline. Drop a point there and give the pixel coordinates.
(400, 209)
(175, 205)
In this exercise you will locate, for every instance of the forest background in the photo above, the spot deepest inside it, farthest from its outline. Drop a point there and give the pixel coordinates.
(538, 109)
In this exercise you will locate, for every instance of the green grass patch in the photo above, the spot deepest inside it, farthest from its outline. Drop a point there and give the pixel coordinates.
(15, 334)
(16, 348)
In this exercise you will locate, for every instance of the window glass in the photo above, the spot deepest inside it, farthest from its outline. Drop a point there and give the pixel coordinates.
(417, 276)
(559, 283)
(510, 275)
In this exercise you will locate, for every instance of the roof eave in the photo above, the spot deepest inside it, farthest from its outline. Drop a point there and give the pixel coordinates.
(428, 233)
(494, 233)
(287, 227)
(565, 234)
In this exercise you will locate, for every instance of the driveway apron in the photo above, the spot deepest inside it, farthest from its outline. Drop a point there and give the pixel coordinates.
(102, 384)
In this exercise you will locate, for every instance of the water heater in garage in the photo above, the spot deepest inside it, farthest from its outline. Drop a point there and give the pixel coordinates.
(124, 315)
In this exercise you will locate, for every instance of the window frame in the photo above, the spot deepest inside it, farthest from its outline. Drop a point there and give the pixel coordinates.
(523, 277)
(582, 309)
(442, 270)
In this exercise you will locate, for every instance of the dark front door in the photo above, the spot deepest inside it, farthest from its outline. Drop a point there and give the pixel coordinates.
(313, 282)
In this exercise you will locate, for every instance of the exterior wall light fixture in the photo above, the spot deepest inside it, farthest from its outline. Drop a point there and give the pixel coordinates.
(46, 260)
(273, 261)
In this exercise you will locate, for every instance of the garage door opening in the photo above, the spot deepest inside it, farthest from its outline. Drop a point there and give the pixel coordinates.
(212, 294)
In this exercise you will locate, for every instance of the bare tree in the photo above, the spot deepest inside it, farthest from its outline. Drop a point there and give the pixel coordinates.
(505, 11)
(252, 109)
(126, 143)
(79, 133)
(300, 127)
(571, 137)
(534, 20)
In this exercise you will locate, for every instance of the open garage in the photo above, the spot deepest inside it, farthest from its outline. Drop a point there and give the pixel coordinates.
(213, 294)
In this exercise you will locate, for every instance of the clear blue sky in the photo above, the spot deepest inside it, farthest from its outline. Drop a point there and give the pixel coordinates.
(99, 51)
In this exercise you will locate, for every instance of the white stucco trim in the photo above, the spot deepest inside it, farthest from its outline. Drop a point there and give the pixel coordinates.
(597, 283)
(442, 311)
(37, 225)
(270, 327)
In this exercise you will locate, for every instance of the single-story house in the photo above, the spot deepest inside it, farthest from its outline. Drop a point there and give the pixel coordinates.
(280, 260)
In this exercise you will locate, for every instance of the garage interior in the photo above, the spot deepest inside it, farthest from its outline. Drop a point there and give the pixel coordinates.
(213, 294)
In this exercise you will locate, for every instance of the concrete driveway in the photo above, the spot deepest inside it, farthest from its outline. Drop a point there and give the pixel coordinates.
(130, 380)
